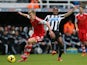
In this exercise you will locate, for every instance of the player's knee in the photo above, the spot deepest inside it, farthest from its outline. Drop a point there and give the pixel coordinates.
(60, 40)
(28, 41)
(32, 41)
(52, 36)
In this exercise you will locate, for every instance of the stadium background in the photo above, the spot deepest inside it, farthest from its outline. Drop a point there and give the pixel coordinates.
(9, 9)
(14, 19)
(9, 16)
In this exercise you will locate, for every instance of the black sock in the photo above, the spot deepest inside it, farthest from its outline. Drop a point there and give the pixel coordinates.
(61, 50)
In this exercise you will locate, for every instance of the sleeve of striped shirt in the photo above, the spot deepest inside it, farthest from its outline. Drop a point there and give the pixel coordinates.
(62, 16)
(46, 18)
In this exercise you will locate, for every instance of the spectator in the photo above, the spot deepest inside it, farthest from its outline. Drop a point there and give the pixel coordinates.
(33, 4)
(26, 31)
(68, 31)
(75, 40)
(1, 40)
(21, 33)
(69, 28)
(67, 40)
(16, 42)
(30, 31)
(47, 45)
(76, 3)
(5, 40)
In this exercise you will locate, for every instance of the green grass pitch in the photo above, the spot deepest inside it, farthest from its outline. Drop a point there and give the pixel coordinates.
(47, 59)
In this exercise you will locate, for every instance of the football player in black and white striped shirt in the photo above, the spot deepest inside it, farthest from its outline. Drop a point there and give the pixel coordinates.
(54, 21)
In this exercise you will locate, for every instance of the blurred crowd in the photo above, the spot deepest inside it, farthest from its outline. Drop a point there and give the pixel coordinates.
(13, 39)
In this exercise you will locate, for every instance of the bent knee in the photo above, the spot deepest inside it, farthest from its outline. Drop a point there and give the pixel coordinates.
(32, 41)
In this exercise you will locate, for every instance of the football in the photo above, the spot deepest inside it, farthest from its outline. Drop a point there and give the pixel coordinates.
(11, 58)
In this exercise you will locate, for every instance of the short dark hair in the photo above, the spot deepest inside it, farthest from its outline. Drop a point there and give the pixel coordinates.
(55, 8)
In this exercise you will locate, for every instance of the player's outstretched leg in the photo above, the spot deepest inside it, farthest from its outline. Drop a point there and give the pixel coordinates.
(27, 51)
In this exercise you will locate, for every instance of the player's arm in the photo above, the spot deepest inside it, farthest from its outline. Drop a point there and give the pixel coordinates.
(51, 33)
(44, 22)
(76, 26)
(69, 12)
(48, 25)
(23, 14)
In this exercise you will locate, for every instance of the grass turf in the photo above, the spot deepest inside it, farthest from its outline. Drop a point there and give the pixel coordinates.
(47, 59)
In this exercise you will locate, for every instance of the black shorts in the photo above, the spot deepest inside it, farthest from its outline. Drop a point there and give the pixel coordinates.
(57, 34)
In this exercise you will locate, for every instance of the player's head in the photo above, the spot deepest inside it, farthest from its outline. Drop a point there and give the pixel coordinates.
(32, 13)
(55, 10)
(80, 9)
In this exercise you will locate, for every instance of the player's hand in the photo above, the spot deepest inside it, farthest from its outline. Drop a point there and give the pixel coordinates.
(52, 35)
(77, 29)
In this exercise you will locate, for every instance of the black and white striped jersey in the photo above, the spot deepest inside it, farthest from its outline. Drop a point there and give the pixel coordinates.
(54, 21)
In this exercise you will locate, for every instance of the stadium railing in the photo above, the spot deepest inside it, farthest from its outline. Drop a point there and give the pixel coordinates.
(48, 4)
(21, 6)
(8, 1)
